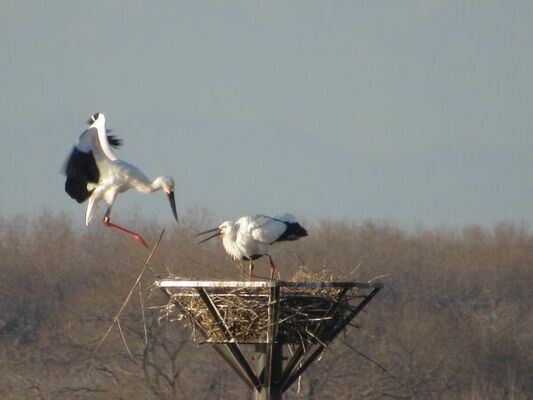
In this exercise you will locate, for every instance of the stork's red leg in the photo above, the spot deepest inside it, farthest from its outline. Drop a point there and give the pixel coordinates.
(272, 267)
(131, 234)
(250, 270)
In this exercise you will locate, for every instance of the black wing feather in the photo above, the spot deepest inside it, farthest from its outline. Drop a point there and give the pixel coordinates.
(294, 231)
(80, 169)
(114, 141)
(77, 189)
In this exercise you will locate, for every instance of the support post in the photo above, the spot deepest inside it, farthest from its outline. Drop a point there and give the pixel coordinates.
(275, 390)
(270, 355)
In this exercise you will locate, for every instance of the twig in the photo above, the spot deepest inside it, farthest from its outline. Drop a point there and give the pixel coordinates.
(357, 267)
(143, 316)
(124, 340)
(381, 367)
(378, 277)
(115, 319)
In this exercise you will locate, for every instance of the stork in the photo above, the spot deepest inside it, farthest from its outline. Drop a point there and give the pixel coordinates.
(94, 173)
(251, 237)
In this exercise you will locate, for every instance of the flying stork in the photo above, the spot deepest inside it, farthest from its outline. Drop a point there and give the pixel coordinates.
(95, 173)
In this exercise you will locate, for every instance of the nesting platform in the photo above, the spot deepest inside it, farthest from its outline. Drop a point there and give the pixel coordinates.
(305, 316)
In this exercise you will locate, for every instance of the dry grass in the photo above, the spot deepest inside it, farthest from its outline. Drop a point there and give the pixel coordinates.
(453, 322)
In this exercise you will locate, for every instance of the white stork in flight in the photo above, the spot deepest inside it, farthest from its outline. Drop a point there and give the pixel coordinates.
(95, 173)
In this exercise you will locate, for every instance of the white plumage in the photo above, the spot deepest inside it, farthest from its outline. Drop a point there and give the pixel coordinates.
(95, 173)
(251, 237)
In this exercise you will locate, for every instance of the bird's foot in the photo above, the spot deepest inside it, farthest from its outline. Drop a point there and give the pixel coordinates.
(140, 240)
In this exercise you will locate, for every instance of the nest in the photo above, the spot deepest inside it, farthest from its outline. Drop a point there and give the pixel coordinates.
(306, 311)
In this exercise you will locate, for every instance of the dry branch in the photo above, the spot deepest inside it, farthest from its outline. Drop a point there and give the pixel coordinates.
(117, 316)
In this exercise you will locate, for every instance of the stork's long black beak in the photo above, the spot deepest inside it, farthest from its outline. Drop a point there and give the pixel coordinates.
(172, 201)
(218, 233)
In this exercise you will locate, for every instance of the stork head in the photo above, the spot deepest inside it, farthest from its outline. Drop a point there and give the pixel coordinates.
(166, 183)
(225, 228)
(97, 119)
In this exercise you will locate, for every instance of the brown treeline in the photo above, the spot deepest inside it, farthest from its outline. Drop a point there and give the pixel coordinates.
(454, 321)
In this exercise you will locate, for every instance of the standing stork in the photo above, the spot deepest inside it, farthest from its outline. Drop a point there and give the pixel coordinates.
(95, 173)
(250, 238)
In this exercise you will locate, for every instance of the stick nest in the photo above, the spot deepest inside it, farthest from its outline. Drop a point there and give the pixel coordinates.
(306, 315)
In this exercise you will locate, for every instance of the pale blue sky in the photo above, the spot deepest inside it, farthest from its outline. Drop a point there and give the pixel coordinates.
(414, 111)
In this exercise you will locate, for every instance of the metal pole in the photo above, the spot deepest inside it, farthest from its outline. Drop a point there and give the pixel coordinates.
(260, 393)
(276, 388)
(274, 391)
(270, 355)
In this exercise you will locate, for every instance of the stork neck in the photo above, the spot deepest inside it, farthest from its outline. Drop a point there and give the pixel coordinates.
(101, 144)
(229, 240)
(143, 184)
(106, 148)
(156, 185)
(231, 247)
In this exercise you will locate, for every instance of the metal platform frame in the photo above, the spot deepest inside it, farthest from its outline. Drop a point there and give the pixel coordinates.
(271, 377)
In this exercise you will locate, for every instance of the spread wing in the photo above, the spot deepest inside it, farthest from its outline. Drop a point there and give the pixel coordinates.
(80, 167)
